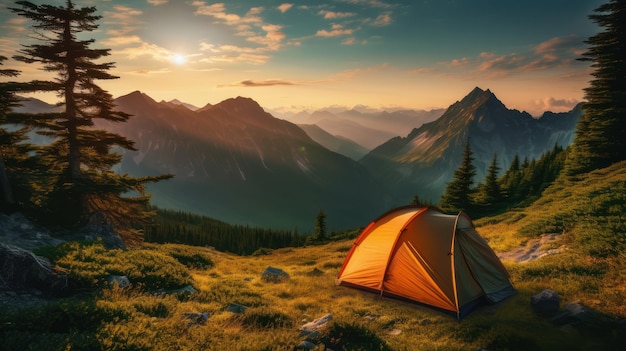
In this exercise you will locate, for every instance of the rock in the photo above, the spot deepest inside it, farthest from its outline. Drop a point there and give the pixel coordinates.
(311, 329)
(395, 332)
(96, 228)
(17, 230)
(580, 316)
(305, 345)
(122, 281)
(21, 269)
(236, 308)
(546, 303)
(274, 275)
(196, 318)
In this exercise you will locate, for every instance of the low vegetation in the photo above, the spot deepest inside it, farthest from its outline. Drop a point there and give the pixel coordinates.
(586, 213)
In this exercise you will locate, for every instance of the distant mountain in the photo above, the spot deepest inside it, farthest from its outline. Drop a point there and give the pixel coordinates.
(423, 162)
(33, 105)
(237, 163)
(180, 103)
(364, 126)
(338, 144)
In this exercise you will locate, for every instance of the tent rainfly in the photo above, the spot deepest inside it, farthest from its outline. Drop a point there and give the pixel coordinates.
(426, 256)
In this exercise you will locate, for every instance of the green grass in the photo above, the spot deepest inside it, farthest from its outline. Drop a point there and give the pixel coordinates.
(587, 213)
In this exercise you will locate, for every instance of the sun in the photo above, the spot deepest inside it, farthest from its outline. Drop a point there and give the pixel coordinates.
(179, 59)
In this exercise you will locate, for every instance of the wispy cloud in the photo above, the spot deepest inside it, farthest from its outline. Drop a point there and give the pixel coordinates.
(371, 3)
(157, 2)
(418, 71)
(384, 19)
(554, 54)
(284, 7)
(339, 77)
(122, 21)
(16, 25)
(553, 104)
(266, 36)
(334, 15)
(336, 30)
(261, 83)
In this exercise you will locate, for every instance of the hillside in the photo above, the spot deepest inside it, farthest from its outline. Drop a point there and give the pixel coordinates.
(232, 307)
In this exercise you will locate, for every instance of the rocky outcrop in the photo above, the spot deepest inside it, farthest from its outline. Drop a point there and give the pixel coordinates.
(22, 271)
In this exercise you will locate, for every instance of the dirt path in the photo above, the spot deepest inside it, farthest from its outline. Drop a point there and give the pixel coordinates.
(546, 244)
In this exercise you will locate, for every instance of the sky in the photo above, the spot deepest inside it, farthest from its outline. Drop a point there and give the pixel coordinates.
(306, 55)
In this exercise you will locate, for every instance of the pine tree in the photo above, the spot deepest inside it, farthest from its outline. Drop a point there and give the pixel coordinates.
(17, 165)
(601, 132)
(491, 190)
(80, 160)
(457, 195)
(320, 226)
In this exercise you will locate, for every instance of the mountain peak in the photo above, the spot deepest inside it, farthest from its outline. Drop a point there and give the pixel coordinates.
(241, 105)
(137, 97)
(477, 94)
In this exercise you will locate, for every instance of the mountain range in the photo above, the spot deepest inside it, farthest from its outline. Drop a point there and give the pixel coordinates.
(422, 163)
(236, 162)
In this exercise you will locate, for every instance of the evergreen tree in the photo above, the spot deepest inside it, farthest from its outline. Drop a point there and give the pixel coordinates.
(320, 226)
(491, 190)
(8, 139)
(17, 165)
(601, 132)
(80, 159)
(457, 195)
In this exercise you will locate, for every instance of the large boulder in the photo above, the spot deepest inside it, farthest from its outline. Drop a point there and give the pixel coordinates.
(21, 269)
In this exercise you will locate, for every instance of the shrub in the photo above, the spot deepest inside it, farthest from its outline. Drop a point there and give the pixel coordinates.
(347, 336)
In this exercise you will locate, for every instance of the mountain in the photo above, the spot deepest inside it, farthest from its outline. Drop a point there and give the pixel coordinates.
(180, 103)
(366, 127)
(235, 162)
(338, 144)
(33, 105)
(423, 162)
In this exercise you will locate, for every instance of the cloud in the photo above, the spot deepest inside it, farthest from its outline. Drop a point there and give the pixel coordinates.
(122, 40)
(421, 70)
(335, 15)
(336, 30)
(284, 7)
(122, 20)
(384, 19)
(262, 83)
(150, 72)
(157, 2)
(218, 11)
(370, 3)
(16, 25)
(538, 106)
(571, 43)
(558, 53)
(268, 37)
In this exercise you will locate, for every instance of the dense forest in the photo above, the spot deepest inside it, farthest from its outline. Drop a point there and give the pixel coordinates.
(186, 228)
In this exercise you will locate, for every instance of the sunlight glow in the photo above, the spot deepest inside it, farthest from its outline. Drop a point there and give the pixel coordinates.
(179, 59)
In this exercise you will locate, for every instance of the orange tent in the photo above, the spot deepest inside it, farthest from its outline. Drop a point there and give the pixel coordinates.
(426, 256)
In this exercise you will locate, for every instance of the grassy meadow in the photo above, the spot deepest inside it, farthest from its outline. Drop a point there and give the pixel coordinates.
(588, 266)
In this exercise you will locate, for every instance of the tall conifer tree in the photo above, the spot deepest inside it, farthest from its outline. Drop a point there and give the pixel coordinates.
(492, 192)
(601, 132)
(80, 159)
(457, 196)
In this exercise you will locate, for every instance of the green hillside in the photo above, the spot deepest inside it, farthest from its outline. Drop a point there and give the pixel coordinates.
(586, 265)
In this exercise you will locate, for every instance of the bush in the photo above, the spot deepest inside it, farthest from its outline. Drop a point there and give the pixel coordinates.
(89, 265)
(343, 336)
